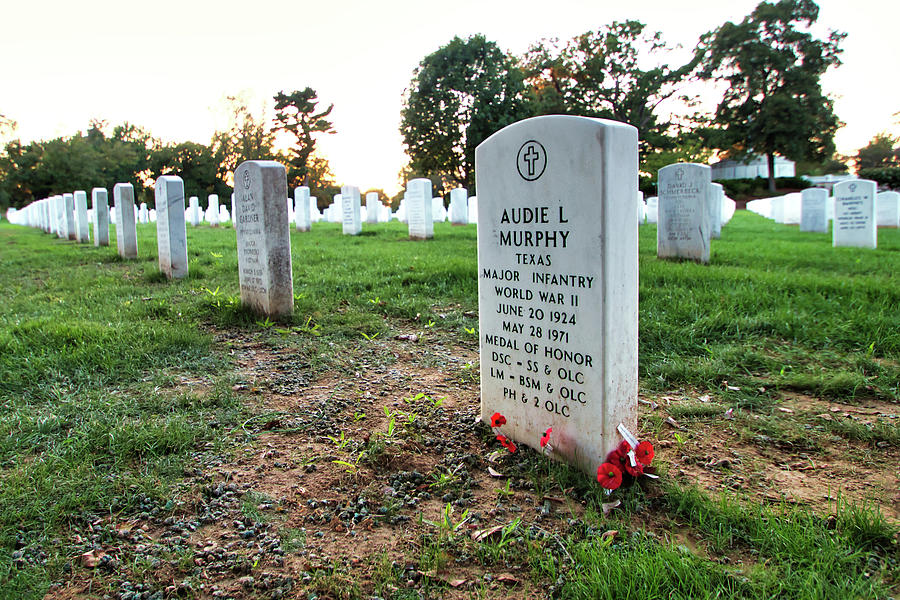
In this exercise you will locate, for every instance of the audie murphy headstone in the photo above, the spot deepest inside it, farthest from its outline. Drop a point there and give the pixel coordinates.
(263, 237)
(557, 286)
(813, 210)
(683, 220)
(854, 214)
(126, 228)
(171, 231)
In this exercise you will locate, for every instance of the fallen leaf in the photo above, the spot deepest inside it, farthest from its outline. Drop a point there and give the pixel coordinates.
(704, 398)
(455, 583)
(673, 422)
(483, 534)
(494, 473)
(785, 410)
(91, 559)
(507, 578)
(733, 388)
(608, 506)
(555, 499)
(609, 534)
(729, 414)
(493, 456)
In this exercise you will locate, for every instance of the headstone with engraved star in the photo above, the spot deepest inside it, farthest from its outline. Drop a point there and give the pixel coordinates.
(557, 285)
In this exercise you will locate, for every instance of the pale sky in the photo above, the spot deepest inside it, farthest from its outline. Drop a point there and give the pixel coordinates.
(167, 65)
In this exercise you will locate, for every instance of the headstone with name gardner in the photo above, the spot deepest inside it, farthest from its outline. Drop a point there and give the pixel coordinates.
(301, 208)
(71, 232)
(854, 214)
(813, 211)
(683, 212)
(557, 285)
(126, 228)
(373, 203)
(82, 228)
(171, 231)
(888, 208)
(418, 209)
(459, 206)
(350, 214)
(100, 216)
(263, 237)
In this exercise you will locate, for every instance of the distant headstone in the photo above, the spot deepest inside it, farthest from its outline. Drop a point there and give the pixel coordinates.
(126, 228)
(143, 213)
(69, 200)
(418, 209)
(652, 209)
(171, 231)
(888, 207)
(716, 197)
(82, 228)
(213, 210)
(373, 203)
(438, 212)
(59, 210)
(558, 303)
(854, 214)
(301, 208)
(683, 228)
(350, 217)
(641, 208)
(473, 209)
(459, 206)
(263, 237)
(813, 211)
(194, 211)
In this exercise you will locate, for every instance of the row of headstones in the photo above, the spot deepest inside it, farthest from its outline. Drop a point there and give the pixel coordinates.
(68, 217)
(856, 208)
(689, 211)
(346, 208)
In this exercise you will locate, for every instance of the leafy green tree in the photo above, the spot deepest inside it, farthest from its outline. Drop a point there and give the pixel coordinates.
(458, 96)
(883, 150)
(774, 102)
(196, 164)
(248, 137)
(603, 74)
(297, 115)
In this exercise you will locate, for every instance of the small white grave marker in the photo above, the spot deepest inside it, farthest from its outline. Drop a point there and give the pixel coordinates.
(854, 214)
(171, 233)
(683, 227)
(126, 228)
(813, 211)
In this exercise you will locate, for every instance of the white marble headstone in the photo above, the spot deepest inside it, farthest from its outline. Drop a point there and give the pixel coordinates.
(813, 212)
(683, 228)
(716, 196)
(459, 206)
(350, 214)
(126, 227)
(301, 208)
(888, 207)
(854, 214)
(82, 227)
(69, 204)
(418, 209)
(557, 283)
(213, 213)
(373, 203)
(263, 237)
(171, 232)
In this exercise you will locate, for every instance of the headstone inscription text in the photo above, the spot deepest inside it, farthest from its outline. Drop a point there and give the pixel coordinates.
(263, 237)
(683, 212)
(854, 214)
(557, 282)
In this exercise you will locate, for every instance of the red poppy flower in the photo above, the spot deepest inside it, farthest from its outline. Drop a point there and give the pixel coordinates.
(546, 437)
(506, 443)
(619, 457)
(644, 453)
(609, 476)
(624, 447)
(497, 420)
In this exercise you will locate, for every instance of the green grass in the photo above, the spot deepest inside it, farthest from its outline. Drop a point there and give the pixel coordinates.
(110, 381)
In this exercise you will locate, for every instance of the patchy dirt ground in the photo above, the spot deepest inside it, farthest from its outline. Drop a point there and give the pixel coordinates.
(374, 479)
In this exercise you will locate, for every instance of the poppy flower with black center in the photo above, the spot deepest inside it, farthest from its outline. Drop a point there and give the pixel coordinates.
(619, 457)
(546, 437)
(609, 476)
(497, 420)
(644, 453)
(506, 443)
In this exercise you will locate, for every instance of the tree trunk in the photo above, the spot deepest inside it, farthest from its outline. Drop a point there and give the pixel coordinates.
(770, 159)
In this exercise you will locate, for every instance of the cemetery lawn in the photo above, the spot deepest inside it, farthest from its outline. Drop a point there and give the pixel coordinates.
(157, 441)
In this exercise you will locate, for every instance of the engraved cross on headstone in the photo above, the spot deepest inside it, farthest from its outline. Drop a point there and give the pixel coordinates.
(531, 156)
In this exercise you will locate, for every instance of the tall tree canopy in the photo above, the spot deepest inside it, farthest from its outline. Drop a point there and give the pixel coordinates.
(296, 114)
(774, 102)
(883, 150)
(247, 137)
(617, 72)
(197, 166)
(459, 95)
